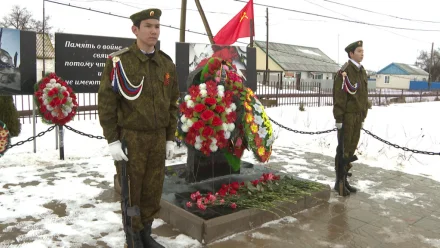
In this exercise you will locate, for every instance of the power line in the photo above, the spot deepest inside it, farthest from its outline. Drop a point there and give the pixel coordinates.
(340, 19)
(373, 26)
(397, 17)
(187, 30)
(120, 16)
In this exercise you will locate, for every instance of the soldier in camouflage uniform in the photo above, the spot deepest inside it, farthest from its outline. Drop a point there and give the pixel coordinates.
(350, 97)
(137, 102)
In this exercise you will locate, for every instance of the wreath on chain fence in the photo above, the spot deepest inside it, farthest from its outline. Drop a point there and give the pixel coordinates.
(55, 100)
(5, 138)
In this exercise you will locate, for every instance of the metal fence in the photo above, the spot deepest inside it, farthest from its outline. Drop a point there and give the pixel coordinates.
(271, 94)
(312, 94)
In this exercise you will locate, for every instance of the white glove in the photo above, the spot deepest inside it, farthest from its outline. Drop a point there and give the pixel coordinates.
(170, 149)
(338, 125)
(116, 151)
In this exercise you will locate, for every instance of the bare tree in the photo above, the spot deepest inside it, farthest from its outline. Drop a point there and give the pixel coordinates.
(18, 18)
(21, 18)
(424, 62)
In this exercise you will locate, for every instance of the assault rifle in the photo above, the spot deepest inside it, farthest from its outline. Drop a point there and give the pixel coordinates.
(341, 171)
(128, 211)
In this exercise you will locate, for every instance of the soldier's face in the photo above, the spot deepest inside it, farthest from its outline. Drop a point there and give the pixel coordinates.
(148, 32)
(358, 54)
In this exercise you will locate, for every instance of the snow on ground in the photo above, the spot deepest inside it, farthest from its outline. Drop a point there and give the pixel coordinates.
(412, 125)
(30, 181)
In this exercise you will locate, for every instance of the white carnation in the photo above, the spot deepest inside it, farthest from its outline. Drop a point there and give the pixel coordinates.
(225, 126)
(190, 104)
(213, 147)
(231, 127)
(233, 106)
(220, 88)
(189, 123)
(187, 97)
(228, 110)
(227, 135)
(198, 139)
(198, 146)
(183, 119)
(202, 86)
(185, 128)
(53, 81)
(203, 93)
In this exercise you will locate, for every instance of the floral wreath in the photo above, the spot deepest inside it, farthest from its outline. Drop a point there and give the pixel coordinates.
(221, 114)
(55, 100)
(5, 138)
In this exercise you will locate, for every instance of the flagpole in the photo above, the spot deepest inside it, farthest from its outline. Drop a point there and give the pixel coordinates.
(205, 21)
(251, 38)
(267, 47)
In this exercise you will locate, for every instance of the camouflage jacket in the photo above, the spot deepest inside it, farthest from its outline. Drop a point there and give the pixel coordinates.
(154, 109)
(344, 102)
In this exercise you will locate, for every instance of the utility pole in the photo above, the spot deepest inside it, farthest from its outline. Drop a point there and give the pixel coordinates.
(205, 21)
(430, 66)
(266, 76)
(182, 21)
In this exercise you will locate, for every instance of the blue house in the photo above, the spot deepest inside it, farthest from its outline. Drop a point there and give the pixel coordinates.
(399, 76)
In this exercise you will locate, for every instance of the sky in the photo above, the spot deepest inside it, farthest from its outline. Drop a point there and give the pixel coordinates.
(382, 45)
(11, 43)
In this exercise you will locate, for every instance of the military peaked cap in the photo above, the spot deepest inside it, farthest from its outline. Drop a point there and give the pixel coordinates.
(146, 14)
(353, 46)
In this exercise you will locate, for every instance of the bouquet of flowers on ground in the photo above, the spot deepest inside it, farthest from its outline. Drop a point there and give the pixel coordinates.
(262, 193)
(55, 100)
(220, 114)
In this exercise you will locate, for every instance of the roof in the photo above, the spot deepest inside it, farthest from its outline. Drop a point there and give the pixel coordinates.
(402, 69)
(299, 58)
(49, 51)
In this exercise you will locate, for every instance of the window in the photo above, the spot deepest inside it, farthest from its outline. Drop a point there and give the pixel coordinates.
(387, 79)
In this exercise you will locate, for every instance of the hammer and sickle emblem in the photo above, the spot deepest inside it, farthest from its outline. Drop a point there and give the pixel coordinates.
(151, 13)
(243, 16)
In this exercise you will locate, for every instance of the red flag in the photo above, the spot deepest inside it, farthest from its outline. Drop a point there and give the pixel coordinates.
(237, 27)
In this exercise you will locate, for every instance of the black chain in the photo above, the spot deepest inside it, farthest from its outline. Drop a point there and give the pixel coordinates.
(84, 134)
(400, 147)
(32, 138)
(302, 132)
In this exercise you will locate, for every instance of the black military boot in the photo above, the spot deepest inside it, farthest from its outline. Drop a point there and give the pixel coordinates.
(134, 240)
(147, 240)
(347, 185)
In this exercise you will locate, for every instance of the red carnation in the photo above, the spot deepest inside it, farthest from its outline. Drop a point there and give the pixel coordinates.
(210, 101)
(207, 115)
(231, 117)
(199, 107)
(43, 108)
(219, 109)
(207, 131)
(197, 125)
(216, 121)
(235, 185)
(194, 91)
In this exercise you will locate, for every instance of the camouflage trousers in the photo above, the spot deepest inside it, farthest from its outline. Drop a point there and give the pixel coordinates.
(352, 125)
(146, 170)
